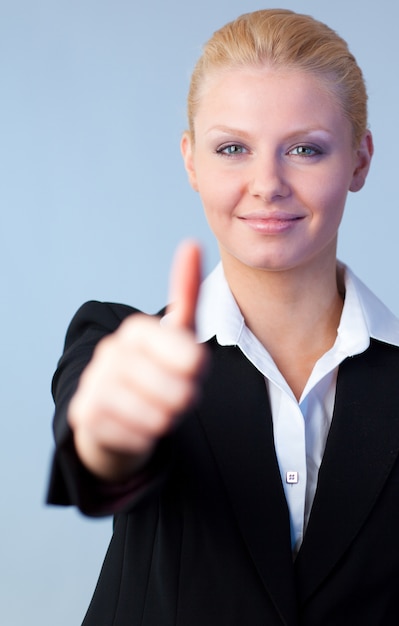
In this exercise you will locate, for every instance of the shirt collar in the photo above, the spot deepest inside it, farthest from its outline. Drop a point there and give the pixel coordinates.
(364, 316)
(217, 311)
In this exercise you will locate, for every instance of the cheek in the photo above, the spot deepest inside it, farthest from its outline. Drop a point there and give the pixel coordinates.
(328, 193)
(335, 196)
(217, 196)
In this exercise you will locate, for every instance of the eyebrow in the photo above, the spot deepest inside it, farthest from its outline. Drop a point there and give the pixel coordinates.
(229, 131)
(244, 134)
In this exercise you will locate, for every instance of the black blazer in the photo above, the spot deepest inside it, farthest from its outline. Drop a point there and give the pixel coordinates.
(205, 540)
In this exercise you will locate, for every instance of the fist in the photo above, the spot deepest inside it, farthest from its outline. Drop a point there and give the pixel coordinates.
(140, 380)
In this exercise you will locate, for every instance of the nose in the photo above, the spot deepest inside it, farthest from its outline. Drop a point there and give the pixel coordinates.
(268, 179)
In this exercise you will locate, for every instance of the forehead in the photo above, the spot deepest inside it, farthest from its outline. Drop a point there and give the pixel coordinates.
(265, 92)
(269, 79)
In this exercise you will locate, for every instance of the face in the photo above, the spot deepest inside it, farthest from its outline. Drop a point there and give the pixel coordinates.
(273, 160)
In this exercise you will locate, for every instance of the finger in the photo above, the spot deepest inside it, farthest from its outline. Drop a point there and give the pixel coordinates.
(185, 280)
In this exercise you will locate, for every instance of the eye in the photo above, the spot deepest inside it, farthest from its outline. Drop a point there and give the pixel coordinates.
(232, 149)
(305, 151)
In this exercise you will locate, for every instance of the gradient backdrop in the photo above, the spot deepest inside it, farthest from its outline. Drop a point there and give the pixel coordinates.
(94, 199)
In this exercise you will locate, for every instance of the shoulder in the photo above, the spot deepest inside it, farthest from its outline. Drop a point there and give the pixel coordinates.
(97, 319)
(105, 314)
(376, 371)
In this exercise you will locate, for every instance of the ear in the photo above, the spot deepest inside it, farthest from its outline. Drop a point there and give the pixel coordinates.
(364, 154)
(186, 146)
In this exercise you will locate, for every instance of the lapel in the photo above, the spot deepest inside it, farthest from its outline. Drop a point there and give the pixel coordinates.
(235, 414)
(361, 449)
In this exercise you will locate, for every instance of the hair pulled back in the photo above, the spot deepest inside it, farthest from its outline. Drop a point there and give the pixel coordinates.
(283, 39)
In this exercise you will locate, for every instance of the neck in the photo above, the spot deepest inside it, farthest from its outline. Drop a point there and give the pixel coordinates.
(294, 313)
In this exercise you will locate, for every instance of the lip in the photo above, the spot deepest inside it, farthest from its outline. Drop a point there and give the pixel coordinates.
(271, 223)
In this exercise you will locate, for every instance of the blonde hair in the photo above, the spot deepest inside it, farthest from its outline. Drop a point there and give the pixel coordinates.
(283, 39)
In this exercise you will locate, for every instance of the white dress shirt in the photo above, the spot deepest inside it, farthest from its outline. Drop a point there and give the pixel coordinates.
(300, 428)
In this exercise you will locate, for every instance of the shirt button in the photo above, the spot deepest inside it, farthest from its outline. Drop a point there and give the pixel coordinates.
(292, 478)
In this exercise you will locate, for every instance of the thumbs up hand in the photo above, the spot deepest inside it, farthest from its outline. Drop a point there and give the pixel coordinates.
(140, 379)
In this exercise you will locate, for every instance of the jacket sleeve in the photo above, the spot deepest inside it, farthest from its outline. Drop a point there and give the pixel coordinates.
(70, 482)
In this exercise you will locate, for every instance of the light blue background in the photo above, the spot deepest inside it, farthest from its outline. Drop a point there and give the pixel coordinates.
(94, 199)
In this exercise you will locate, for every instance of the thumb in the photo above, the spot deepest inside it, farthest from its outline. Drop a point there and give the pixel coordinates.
(185, 279)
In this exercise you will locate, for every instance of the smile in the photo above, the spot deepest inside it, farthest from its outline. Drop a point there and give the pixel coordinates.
(270, 224)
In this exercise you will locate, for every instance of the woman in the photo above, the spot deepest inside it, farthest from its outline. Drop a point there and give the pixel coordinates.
(247, 444)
